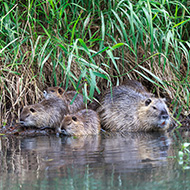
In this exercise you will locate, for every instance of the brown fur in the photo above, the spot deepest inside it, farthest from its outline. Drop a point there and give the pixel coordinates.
(68, 96)
(84, 122)
(126, 109)
(95, 102)
(47, 113)
(138, 87)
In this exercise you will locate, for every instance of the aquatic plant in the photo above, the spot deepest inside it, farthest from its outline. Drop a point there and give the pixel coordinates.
(184, 156)
(90, 45)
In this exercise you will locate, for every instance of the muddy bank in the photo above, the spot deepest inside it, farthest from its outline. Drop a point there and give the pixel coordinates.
(18, 130)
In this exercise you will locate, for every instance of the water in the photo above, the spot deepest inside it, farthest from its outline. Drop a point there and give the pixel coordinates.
(114, 161)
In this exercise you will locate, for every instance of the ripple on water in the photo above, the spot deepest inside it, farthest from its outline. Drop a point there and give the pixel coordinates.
(109, 161)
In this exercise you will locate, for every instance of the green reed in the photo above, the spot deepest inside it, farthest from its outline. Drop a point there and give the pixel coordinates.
(91, 44)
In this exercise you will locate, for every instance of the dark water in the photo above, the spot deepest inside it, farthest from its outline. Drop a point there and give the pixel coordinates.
(114, 161)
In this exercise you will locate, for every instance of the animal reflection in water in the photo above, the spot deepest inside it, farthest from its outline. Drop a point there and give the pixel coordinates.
(137, 150)
(130, 151)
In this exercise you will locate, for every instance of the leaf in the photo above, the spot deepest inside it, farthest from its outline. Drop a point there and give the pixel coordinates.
(185, 145)
(122, 26)
(117, 46)
(74, 28)
(8, 45)
(102, 50)
(103, 30)
(92, 83)
(101, 75)
(109, 52)
(84, 45)
(48, 34)
(180, 154)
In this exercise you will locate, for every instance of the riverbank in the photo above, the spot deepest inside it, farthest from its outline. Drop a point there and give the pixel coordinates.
(91, 46)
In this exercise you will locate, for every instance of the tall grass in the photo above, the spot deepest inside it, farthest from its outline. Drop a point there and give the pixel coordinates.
(90, 45)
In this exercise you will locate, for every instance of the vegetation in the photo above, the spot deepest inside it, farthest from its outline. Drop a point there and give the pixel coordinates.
(183, 155)
(90, 45)
(183, 146)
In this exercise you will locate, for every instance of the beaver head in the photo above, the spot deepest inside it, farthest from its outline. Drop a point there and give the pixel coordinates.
(71, 125)
(53, 91)
(30, 115)
(153, 114)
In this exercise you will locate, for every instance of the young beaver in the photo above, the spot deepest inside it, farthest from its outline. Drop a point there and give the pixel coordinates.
(47, 113)
(84, 122)
(126, 109)
(56, 91)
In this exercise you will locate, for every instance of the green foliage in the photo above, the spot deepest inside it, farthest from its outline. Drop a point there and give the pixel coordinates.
(91, 44)
(184, 156)
(183, 147)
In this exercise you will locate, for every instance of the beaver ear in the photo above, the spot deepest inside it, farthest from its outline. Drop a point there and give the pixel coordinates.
(60, 91)
(32, 110)
(148, 101)
(74, 118)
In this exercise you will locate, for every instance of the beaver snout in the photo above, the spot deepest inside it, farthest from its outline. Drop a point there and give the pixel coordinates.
(21, 122)
(165, 117)
(64, 132)
(164, 114)
(22, 119)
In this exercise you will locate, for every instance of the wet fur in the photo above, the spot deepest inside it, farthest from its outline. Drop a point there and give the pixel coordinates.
(78, 103)
(84, 122)
(126, 109)
(47, 113)
(138, 87)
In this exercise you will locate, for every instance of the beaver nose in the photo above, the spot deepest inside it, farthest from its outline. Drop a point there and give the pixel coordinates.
(21, 122)
(64, 132)
(165, 116)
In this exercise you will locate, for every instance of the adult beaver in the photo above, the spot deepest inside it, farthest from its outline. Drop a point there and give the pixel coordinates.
(128, 109)
(138, 87)
(48, 113)
(68, 96)
(84, 122)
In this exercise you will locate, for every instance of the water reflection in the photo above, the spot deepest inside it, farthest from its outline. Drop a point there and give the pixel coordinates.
(104, 161)
(136, 150)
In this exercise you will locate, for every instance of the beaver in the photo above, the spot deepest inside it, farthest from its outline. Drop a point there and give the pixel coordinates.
(56, 91)
(138, 87)
(84, 122)
(126, 109)
(133, 84)
(47, 113)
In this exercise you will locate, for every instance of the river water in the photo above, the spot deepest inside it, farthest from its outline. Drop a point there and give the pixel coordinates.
(107, 161)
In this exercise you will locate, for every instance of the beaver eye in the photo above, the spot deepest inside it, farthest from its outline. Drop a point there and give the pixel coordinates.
(60, 91)
(32, 110)
(74, 118)
(147, 102)
(52, 90)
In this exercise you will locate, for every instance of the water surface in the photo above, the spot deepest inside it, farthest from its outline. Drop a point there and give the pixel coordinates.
(107, 161)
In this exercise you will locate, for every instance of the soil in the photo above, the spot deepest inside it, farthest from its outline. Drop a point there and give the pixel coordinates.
(19, 130)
